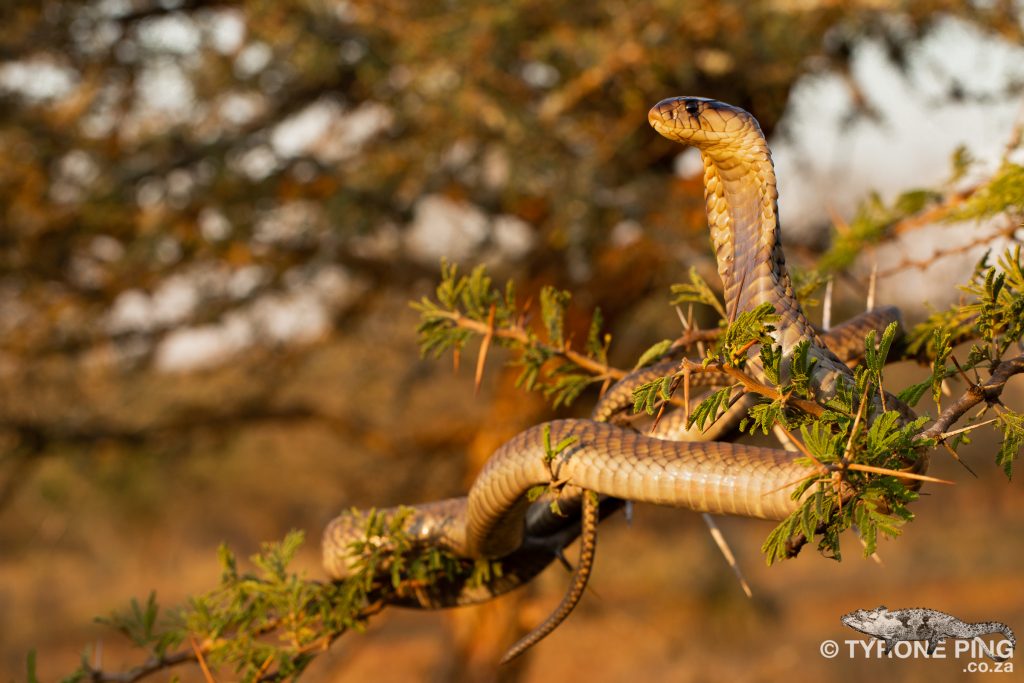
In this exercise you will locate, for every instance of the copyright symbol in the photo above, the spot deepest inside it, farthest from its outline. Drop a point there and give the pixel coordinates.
(829, 649)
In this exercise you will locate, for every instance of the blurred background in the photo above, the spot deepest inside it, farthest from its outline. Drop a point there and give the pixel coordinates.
(213, 215)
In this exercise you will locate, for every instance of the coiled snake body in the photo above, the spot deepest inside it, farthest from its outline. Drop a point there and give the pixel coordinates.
(497, 521)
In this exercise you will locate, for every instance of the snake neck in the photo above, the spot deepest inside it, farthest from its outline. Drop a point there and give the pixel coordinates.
(742, 208)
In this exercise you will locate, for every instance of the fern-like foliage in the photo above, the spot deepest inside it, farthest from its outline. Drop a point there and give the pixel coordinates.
(469, 306)
(269, 624)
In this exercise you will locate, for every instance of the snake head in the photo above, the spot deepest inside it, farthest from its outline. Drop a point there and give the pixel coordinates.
(702, 122)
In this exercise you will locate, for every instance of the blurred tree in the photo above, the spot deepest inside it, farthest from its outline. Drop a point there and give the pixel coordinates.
(169, 163)
(192, 183)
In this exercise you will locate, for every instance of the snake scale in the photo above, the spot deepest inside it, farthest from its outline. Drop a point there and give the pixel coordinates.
(676, 467)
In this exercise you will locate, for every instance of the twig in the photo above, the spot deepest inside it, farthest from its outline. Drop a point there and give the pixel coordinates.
(826, 306)
(987, 391)
(752, 384)
(518, 333)
(872, 285)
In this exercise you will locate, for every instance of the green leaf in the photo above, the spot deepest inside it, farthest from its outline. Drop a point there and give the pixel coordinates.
(801, 368)
(1002, 192)
(697, 291)
(597, 340)
(763, 416)
(821, 441)
(646, 396)
(771, 360)
(653, 353)
(750, 327)
(708, 410)
(1013, 441)
(912, 394)
(961, 162)
(553, 303)
(30, 667)
(943, 349)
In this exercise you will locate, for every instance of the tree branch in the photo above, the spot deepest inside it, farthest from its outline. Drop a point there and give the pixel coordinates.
(988, 391)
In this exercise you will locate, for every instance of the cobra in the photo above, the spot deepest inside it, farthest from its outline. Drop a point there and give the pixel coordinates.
(497, 521)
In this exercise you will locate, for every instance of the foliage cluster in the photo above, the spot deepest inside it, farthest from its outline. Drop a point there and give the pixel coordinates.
(270, 624)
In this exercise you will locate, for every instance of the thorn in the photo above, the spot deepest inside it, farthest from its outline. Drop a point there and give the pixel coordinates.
(739, 293)
(627, 512)
(456, 355)
(682, 319)
(794, 444)
(524, 314)
(956, 456)
(826, 306)
(783, 437)
(968, 428)
(963, 373)
(686, 396)
(202, 660)
(899, 474)
(485, 345)
(944, 386)
(872, 284)
(856, 422)
(657, 418)
(723, 547)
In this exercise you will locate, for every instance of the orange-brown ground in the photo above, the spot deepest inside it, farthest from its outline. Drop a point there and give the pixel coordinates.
(88, 531)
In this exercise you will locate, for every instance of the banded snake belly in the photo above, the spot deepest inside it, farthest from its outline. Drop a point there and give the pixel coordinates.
(675, 466)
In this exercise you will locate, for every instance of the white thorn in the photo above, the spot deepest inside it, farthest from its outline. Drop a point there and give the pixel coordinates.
(627, 511)
(871, 286)
(693, 325)
(723, 547)
(826, 307)
(783, 437)
(682, 319)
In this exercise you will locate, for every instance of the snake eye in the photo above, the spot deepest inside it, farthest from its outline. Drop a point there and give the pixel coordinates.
(692, 107)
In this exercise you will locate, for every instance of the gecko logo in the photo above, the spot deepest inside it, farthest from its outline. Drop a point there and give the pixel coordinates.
(920, 632)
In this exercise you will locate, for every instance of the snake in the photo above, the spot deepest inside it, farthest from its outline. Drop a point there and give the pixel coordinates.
(682, 468)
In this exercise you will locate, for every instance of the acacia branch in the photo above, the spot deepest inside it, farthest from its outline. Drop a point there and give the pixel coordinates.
(147, 668)
(767, 391)
(987, 391)
(521, 335)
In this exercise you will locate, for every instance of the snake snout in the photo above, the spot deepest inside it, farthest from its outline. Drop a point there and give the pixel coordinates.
(665, 113)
